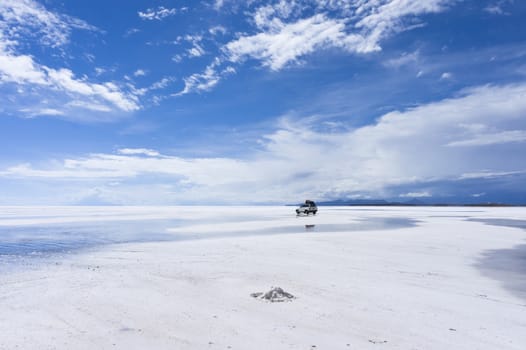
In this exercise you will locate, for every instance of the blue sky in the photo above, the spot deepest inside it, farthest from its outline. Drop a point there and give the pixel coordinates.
(240, 102)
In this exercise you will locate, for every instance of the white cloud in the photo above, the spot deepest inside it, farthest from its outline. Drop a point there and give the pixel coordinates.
(191, 38)
(42, 111)
(29, 18)
(201, 81)
(20, 69)
(218, 4)
(423, 194)
(139, 73)
(109, 92)
(405, 59)
(86, 105)
(271, 16)
(139, 151)
(23, 70)
(446, 76)
(283, 38)
(494, 10)
(216, 30)
(206, 80)
(297, 160)
(177, 58)
(286, 43)
(158, 13)
(196, 51)
(161, 84)
(54, 89)
(131, 32)
(497, 7)
(385, 17)
(100, 71)
(492, 139)
(288, 31)
(486, 174)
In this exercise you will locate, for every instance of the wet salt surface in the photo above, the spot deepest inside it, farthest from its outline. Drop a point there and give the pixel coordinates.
(28, 246)
(503, 222)
(43, 241)
(48, 239)
(508, 266)
(31, 245)
(365, 224)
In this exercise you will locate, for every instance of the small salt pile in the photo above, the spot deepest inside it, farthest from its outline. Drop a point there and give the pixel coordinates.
(275, 295)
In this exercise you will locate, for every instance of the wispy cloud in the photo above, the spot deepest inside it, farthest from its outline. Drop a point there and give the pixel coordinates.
(140, 73)
(394, 151)
(283, 40)
(23, 70)
(205, 81)
(217, 30)
(131, 32)
(61, 87)
(405, 59)
(498, 7)
(488, 174)
(196, 51)
(157, 14)
(177, 58)
(161, 84)
(33, 112)
(218, 4)
(284, 33)
(22, 18)
(423, 194)
(286, 43)
(138, 151)
(446, 76)
(495, 138)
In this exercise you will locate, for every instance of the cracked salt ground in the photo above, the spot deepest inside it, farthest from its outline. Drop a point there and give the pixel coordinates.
(275, 295)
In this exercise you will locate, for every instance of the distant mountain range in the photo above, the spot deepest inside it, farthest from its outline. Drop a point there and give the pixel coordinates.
(412, 202)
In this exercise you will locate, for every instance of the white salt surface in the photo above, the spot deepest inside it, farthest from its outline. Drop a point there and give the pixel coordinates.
(441, 281)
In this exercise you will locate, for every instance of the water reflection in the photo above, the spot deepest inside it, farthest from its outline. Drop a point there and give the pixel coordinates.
(365, 224)
(508, 266)
(42, 241)
(503, 222)
(45, 240)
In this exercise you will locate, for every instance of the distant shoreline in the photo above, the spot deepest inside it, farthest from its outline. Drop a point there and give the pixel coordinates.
(421, 205)
(381, 203)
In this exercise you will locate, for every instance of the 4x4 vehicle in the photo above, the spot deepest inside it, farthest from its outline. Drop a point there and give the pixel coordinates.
(307, 208)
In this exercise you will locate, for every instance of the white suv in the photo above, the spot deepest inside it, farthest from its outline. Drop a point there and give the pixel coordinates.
(307, 208)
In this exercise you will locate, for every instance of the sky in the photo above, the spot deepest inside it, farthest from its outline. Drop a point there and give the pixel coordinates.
(262, 102)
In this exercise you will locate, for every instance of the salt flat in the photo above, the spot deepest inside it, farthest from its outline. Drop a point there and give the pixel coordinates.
(362, 277)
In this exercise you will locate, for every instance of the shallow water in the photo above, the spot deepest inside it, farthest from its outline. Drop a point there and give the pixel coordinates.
(503, 222)
(363, 224)
(41, 241)
(508, 266)
(48, 239)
